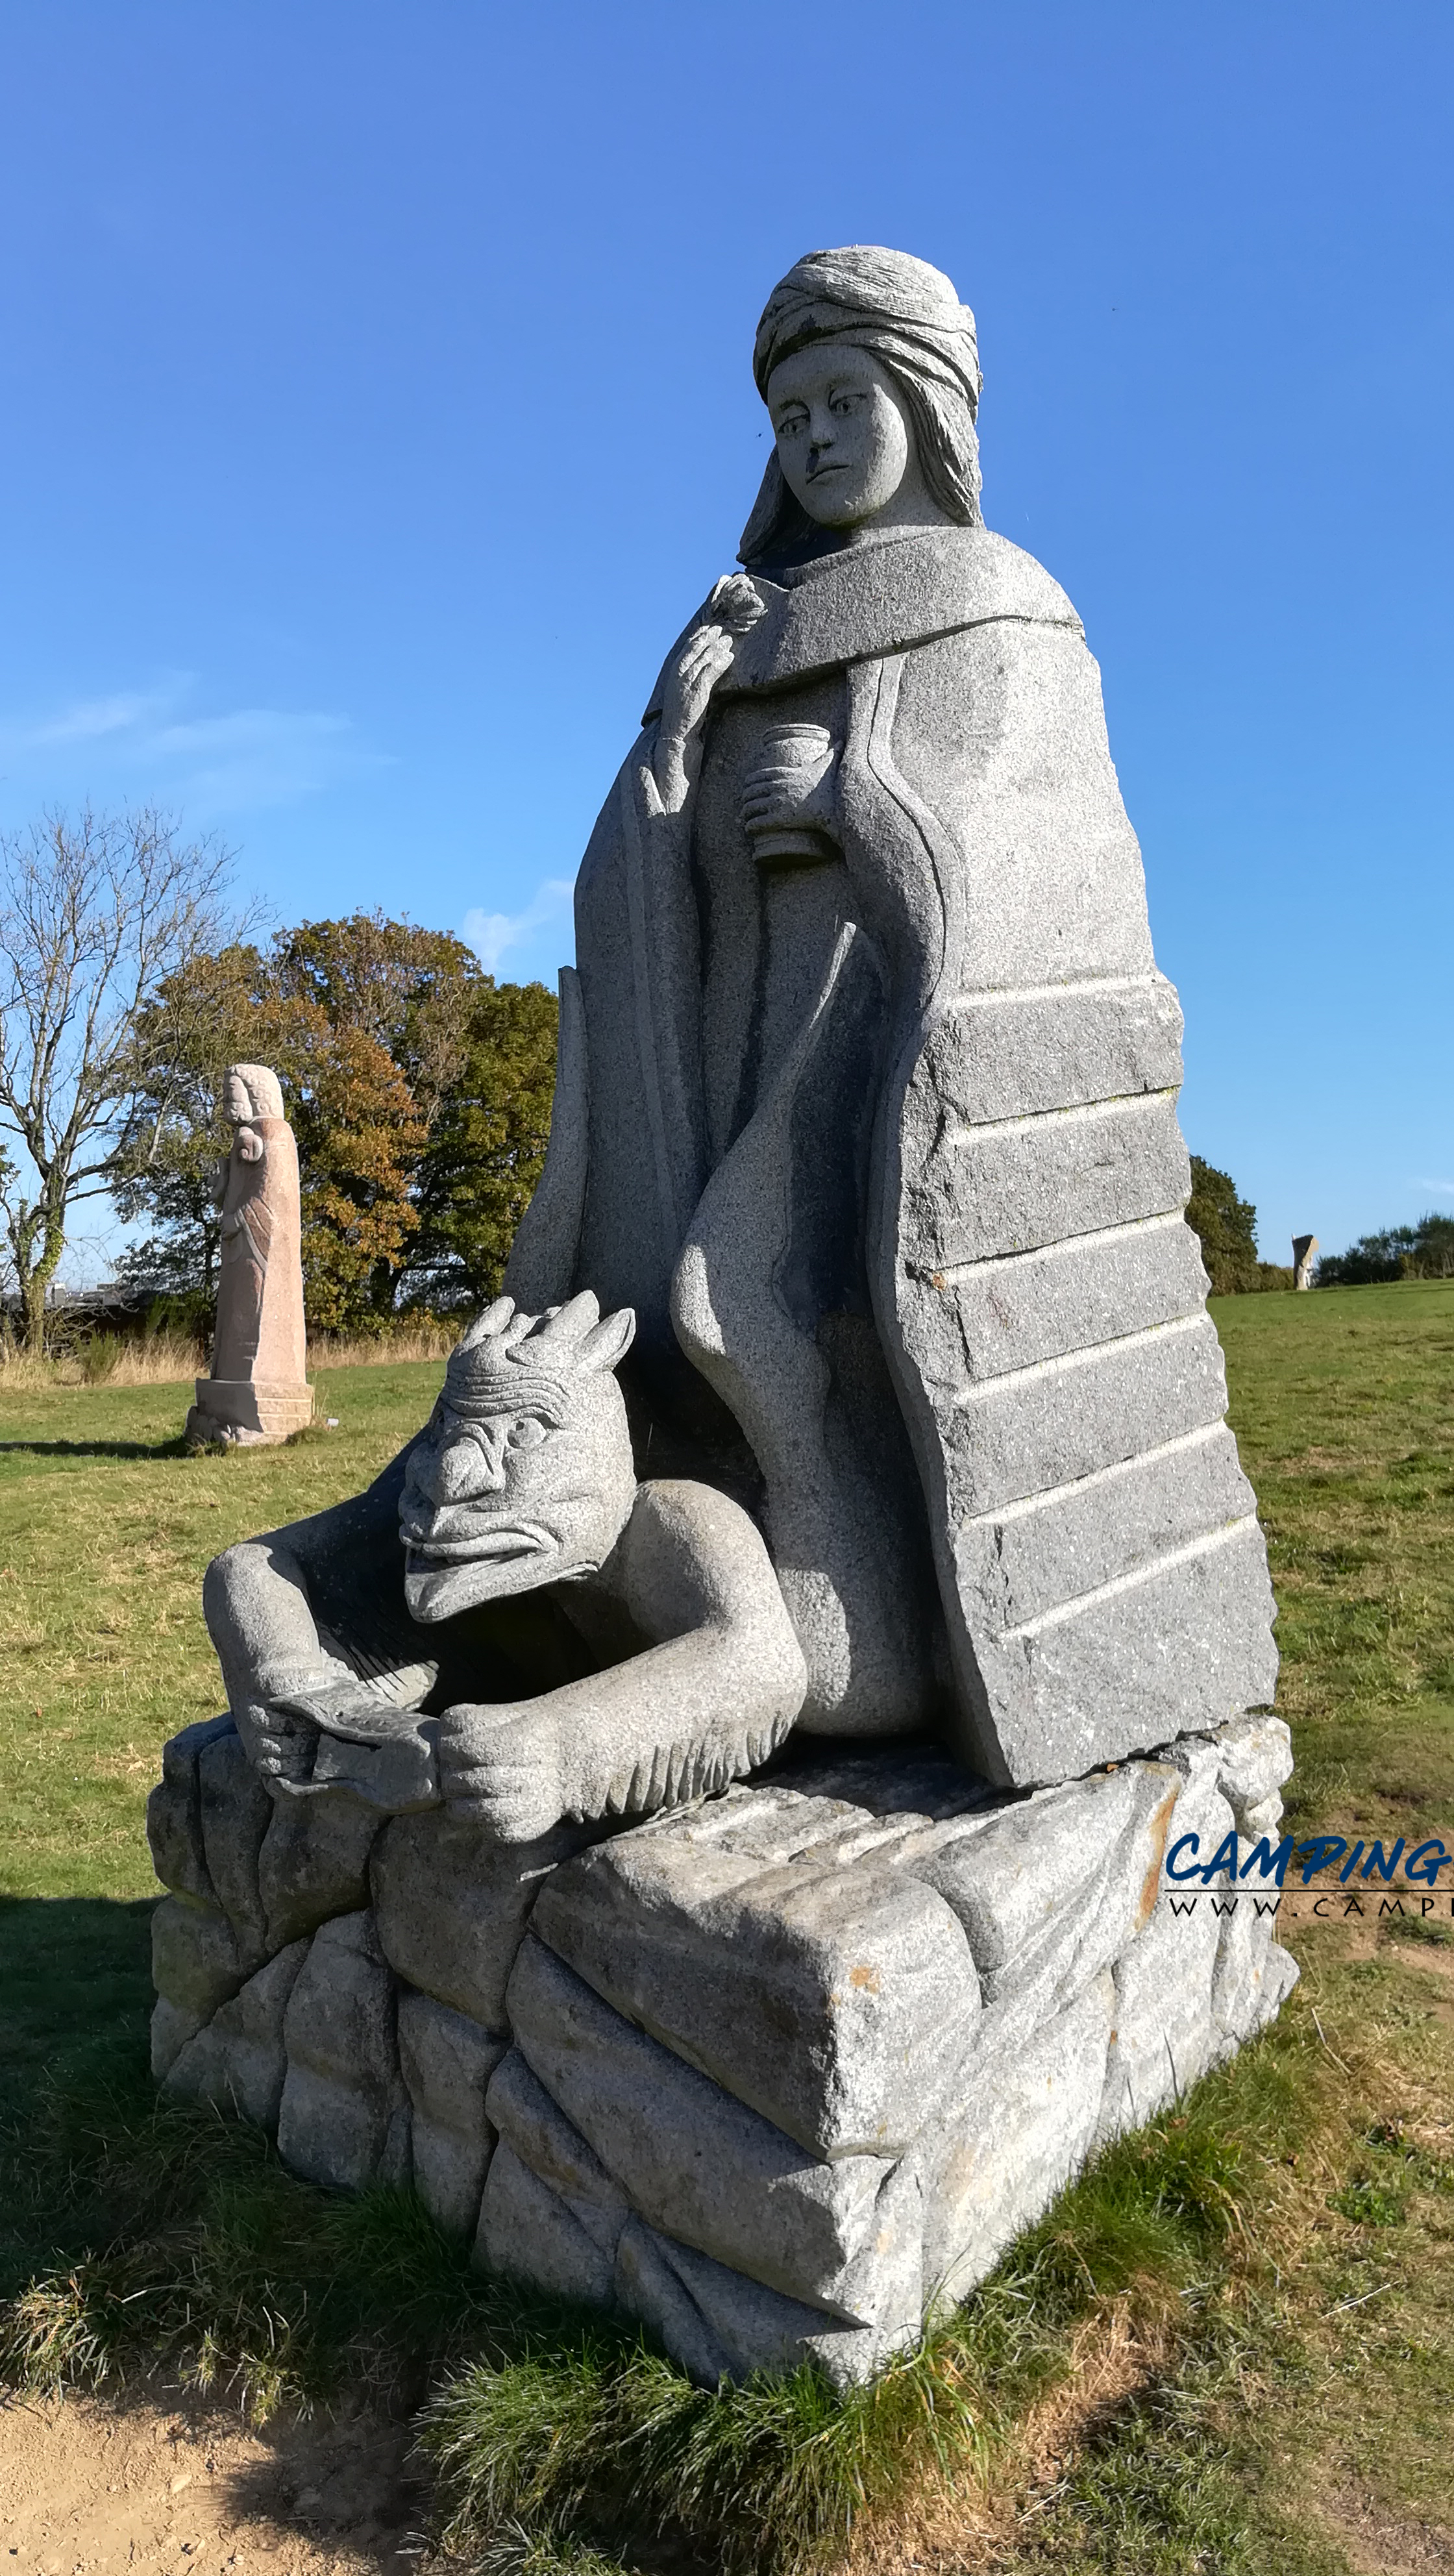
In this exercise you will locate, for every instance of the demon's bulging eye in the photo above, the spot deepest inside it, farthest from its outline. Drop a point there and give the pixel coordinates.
(527, 1433)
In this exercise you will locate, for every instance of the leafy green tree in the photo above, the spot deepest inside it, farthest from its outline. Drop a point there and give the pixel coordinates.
(1422, 1251)
(358, 1129)
(418, 1089)
(1226, 1227)
(486, 1146)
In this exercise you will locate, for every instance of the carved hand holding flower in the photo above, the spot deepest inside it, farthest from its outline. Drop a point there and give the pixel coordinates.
(732, 610)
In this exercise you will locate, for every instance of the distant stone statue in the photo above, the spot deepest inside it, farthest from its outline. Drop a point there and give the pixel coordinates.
(258, 1390)
(1304, 1247)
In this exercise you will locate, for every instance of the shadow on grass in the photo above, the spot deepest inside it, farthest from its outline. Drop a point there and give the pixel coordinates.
(150, 2233)
(95, 1448)
(75, 1983)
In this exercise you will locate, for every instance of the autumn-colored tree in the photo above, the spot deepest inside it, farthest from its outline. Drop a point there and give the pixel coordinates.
(418, 1089)
(486, 1146)
(359, 1133)
(359, 1139)
(396, 1000)
(407, 989)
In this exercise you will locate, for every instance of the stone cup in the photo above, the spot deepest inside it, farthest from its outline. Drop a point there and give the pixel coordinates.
(799, 833)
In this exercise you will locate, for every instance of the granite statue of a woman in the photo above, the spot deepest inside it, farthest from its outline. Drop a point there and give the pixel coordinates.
(867, 1095)
(865, 1140)
(852, 1381)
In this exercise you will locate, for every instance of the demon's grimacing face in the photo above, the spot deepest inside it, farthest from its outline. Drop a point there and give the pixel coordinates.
(523, 1474)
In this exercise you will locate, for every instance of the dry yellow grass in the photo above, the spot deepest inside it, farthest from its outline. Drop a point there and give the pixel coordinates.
(170, 1359)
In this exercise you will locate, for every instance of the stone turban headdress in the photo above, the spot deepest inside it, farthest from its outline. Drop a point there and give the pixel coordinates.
(908, 316)
(264, 1091)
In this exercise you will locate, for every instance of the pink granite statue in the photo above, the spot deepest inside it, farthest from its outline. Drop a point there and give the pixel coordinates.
(258, 1389)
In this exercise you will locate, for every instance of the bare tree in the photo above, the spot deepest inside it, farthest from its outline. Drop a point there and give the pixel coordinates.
(93, 916)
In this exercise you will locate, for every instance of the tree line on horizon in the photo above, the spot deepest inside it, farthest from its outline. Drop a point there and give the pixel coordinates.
(1225, 1225)
(418, 1087)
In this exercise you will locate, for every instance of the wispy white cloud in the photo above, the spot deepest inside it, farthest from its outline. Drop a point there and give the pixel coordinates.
(492, 934)
(94, 718)
(1441, 1189)
(212, 764)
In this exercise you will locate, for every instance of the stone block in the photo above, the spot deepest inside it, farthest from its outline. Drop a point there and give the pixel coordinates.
(719, 2326)
(531, 2234)
(174, 1812)
(1010, 1055)
(1033, 1556)
(1251, 1975)
(344, 2114)
(1092, 1681)
(834, 2001)
(885, 1781)
(1254, 1759)
(451, 1903)
(314, 1863)
(1263, 1819)
(446, 2061)
(551, 2215)
(1015, 1877)
(1163, 2035)
(1015, 2137)
(249, 1413)
(536, 2129)
(1052, 1889)
(706, 2170)
(1038, 1430)
(1017, 1184)
(236, 1812)
(172, 2025)
(980, 1320)
(195, 1961)
(238, 2061)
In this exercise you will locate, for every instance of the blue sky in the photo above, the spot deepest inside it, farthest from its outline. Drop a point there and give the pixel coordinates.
(375, 405)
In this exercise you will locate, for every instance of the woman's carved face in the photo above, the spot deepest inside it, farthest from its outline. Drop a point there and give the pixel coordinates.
(843, 438)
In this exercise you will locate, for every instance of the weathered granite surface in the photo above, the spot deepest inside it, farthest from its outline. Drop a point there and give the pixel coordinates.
(507, 1625)
(854, 1382)
(862, 948)
(773, 2073)
(258, 1389)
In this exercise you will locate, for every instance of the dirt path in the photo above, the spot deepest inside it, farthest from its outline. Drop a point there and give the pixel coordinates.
(92, 2485)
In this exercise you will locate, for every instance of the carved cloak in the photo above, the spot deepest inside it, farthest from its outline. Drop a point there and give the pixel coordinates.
(1037, 1297)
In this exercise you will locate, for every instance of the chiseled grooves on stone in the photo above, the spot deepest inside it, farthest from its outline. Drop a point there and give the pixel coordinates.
(956, 1274)
(1025, 1122)
(1052, 1494)
(1204, 1546)
(1010, 1380)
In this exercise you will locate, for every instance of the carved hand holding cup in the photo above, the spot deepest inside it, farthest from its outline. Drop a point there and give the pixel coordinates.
(789, 806)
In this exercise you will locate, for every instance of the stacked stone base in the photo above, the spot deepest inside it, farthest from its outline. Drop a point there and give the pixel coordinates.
(252, 1412)
(775, 2074)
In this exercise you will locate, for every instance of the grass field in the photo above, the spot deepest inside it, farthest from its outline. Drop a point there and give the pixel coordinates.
(1232, 2346)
